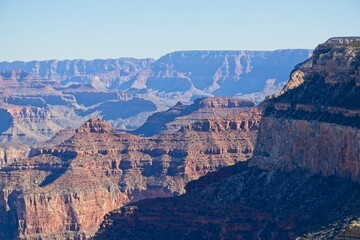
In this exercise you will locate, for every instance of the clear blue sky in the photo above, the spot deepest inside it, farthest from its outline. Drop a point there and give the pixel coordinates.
(88, 29)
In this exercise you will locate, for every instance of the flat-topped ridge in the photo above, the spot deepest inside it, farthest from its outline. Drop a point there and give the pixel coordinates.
(223, 102)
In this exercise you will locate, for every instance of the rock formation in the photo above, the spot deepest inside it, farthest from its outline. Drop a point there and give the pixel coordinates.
(302, 182)
(183, 116)
(65, 191)
(10, 154)
(40, 98)
(319, 114)
(100, 73)
(221, 73)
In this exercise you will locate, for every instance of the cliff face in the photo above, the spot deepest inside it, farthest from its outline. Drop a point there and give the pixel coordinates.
(65, 191)
(302, 182)
(40, 98)
(75, 212)
(242, 202)
(29, 125)
(315, 125)
(222, 73)
(12, 154)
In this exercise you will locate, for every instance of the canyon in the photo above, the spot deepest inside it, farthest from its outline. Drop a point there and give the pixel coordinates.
(151, 149)
(302, 181)
(40, 98)
(64, 191)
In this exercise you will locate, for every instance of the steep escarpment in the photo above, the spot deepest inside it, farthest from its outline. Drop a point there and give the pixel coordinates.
(302, 182)
(319, 118)
(65, 191)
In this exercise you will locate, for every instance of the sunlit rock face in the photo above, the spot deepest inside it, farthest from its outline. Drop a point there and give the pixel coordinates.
(314, 122)
(64, 191)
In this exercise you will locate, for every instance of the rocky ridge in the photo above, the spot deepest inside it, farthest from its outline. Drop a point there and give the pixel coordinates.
(64, 191)
(302, 182)
(197, 115)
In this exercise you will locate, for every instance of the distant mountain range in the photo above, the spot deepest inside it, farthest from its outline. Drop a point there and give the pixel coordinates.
(39, 98)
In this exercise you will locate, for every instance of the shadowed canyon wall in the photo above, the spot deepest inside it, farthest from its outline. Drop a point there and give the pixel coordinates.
(302, 182)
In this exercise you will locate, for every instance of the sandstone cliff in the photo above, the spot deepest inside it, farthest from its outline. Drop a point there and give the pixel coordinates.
(302, 182)
(314, 124)
(65, 191)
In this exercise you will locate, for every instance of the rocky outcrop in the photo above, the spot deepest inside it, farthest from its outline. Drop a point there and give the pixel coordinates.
(95, 125)
(302, 182)
(64, 191)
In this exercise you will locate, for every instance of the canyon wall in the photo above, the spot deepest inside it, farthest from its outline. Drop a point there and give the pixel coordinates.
(39, 98)
(64, 191)
(314, 124)
(302, 182)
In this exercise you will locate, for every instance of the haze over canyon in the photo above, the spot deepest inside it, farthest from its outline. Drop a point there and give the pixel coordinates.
(194, 145)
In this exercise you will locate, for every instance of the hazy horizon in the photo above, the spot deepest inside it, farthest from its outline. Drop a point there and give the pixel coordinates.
(129, 57)
(45, 30)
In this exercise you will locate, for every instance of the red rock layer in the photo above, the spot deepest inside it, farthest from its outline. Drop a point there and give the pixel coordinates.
(302, 182)
(314, 123)
(65, 191)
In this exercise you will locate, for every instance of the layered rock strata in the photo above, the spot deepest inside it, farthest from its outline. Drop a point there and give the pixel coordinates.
(183, 116)
(241, 202)
(317, 115)
(40, 98)
(11, 154)
(302, 182)
(64, 191)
